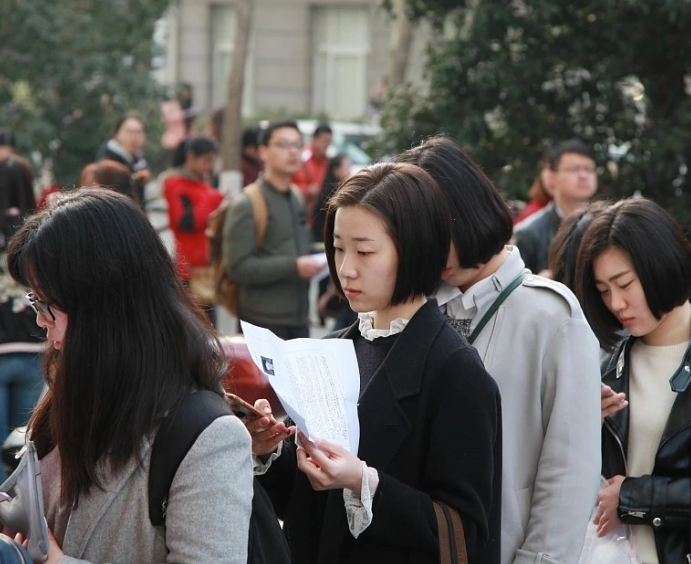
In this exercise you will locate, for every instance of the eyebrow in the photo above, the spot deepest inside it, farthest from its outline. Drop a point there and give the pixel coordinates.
(615, 277)
(356, 239)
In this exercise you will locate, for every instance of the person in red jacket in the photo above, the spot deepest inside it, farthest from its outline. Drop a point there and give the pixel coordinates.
(315, 164)
(191, 200)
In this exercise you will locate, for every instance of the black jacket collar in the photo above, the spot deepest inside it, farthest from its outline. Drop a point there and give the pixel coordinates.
(616, 376)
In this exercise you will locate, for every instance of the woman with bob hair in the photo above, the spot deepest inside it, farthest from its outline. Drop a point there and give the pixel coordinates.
(126, 348)
(430, 421)
(634, 273)
(533, 339)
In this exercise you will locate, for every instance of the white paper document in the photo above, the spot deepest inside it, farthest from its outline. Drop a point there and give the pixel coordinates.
(324, 272)
(316, 380)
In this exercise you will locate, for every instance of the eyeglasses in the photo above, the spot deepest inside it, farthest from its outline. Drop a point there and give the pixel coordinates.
(40, 306)
(577, 169)
(287, 145)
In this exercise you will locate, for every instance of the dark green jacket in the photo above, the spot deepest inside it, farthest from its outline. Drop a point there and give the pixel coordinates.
(270, 292)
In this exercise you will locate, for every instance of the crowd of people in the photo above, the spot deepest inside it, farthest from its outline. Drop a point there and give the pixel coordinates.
(529, 375)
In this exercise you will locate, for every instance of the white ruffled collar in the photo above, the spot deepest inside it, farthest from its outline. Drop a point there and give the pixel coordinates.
(368, 331)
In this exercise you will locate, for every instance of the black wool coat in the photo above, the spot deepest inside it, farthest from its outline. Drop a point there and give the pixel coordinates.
(430, 423)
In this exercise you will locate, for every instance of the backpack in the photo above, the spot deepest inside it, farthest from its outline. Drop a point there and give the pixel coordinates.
(176, 435)
(225, 288)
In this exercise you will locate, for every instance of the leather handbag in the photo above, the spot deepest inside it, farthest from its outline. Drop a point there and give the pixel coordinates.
(452, 549)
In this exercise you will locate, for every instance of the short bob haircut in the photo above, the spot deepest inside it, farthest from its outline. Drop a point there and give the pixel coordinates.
(482, 222)
(563, 253)
(659, 252)
(413, 209)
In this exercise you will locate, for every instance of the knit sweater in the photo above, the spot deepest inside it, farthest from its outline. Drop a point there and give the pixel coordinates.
(651, 399)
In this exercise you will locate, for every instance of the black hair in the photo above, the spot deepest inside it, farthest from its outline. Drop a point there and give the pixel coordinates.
(482, 221)
(130, 115)
(135, 345)
(265, 138)
(16, 191)
(413, 209)
(659, 252)
(7, 138)
(329, 186)
(321, 129)
(250, 136)
(563, 252)
(199, 146)
(575, 146)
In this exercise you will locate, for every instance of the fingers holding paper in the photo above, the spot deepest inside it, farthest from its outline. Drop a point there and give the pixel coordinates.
(266, 432)
(329, 466)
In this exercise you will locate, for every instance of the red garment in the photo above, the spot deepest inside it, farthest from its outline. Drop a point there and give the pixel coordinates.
(190, 203)
(532, 207)
(311, 175)
(251, 168)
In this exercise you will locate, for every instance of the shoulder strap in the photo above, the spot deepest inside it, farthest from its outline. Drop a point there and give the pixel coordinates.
(452, 548)
(260, 212)
(298, 194)
(174, 439)
(505, 293)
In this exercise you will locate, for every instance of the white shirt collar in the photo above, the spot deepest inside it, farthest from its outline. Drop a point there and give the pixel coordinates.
(477, 299)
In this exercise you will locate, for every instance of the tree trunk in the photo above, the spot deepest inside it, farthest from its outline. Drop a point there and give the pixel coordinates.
(232, 118)
(399, 44)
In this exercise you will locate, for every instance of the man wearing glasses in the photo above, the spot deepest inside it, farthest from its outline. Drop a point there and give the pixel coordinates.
(573, 180)
(273, 276)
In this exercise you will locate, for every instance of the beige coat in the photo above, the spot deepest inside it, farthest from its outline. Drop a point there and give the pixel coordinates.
(545, 358)
(207, 516)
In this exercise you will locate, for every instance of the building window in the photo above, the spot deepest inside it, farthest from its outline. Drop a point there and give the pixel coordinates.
(339, 74)
(223, 24)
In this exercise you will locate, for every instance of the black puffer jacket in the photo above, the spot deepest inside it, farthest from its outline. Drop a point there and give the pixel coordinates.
(663, 499)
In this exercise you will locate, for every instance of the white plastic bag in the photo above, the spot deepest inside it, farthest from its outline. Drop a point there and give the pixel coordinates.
(616, 547)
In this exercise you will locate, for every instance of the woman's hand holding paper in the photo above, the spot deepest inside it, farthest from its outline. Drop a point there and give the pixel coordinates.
(329, 466)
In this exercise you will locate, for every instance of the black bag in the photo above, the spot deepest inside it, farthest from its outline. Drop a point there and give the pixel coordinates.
(11, 552)
(175, 437)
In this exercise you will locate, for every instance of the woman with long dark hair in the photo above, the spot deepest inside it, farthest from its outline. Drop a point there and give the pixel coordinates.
(634, 273)
(126, 348)
(20, 338)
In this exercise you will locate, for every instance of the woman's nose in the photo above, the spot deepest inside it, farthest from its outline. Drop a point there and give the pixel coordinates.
(347, 269)
(41, 321)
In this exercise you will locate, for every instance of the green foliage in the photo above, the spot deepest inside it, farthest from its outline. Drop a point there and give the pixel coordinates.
(70, 68)
(528, 72)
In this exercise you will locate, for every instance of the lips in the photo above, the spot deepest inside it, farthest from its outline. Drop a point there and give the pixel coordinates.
(351, 293)
(445, 272)
(625, 320)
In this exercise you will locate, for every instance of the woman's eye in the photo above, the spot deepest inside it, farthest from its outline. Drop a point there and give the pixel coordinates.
(626, 285)
(603, 291)
(338, 250)
(364, 253)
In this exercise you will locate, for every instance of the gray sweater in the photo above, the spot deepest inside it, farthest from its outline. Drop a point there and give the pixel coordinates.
(207, 517)
(270, 291)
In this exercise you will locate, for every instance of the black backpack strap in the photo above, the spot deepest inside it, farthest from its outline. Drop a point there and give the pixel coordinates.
(174, 439)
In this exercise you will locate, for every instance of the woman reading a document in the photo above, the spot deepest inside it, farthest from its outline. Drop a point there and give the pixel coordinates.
(429, 414)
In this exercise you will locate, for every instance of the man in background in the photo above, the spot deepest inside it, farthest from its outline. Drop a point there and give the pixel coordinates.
(273, 277)
(315, 163)
(572, 177)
